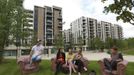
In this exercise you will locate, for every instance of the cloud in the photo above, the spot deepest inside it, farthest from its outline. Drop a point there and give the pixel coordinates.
(94, 9)
(73, 9)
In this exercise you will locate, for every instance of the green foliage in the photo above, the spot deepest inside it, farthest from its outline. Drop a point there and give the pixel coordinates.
(59, 41)
(122, 8)
(10, 67)
(95, 43)
(80, 42)
(12, 22)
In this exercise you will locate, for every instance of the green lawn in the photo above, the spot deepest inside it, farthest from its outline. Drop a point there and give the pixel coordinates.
(9, 67)
(129, 52)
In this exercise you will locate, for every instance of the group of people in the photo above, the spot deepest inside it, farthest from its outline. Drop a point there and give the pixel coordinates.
(71, 59)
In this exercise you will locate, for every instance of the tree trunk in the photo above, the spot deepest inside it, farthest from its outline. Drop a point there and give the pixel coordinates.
(1, 54)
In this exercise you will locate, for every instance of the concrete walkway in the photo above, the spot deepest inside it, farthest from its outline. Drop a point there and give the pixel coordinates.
(90, 56)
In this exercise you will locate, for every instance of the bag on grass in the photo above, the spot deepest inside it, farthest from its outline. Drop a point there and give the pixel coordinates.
(92, 72)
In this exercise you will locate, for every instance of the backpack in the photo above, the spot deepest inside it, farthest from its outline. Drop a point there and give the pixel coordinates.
(92, 73)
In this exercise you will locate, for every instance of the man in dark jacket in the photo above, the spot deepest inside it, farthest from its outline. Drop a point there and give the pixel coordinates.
(111, 64)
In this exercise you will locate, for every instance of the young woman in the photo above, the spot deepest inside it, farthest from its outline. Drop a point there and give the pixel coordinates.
(79, 63)
(69, 61)
(60, 60)
(111, 64)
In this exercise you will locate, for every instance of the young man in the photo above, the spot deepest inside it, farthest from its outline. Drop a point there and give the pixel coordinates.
(36, 52)
(111, 64)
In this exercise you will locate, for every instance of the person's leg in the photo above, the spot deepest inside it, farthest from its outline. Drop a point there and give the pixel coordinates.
(80, 66)
(57, 68)
(107, 64)
(71, 66)
(33, 59)
(37, 60)
(114, 65)
(70, 69)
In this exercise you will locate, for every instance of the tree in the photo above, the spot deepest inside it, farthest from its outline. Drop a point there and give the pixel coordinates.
(6, 14)
(95, 43)
(59, 41)
(13, 23)
(109, 43)
(122, 8)
(80, 42)
(98, 43)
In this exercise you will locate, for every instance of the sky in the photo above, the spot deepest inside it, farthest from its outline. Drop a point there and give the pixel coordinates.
(73, 9)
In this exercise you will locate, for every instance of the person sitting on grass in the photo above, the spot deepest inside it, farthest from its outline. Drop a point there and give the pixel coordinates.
(60, 60)
(69, 61)
(111, 64)
(78, 62)
(36, 53)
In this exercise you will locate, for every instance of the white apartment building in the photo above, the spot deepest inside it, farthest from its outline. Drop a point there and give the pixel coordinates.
(85, 28)
(117, 32)
(67, 35)
(106, 30)
(89, 28)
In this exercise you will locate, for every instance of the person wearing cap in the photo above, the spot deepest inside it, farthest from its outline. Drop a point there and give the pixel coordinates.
(111, 64)
(36, 52)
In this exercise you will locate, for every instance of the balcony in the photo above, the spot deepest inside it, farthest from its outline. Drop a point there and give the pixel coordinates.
(49, 21)
(59, 26)
(49, 29)
(49, 33)
(49, 16)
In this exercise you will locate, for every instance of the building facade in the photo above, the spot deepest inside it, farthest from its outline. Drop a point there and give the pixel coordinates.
(88, 28)
(67, 38)
(83, 29)
(47, 23)
(118, 33)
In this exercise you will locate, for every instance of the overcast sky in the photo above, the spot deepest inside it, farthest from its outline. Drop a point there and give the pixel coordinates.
(73, 9)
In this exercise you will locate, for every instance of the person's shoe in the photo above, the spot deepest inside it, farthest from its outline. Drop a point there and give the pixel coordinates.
(79, 73)
(85, 68)
(75, 71)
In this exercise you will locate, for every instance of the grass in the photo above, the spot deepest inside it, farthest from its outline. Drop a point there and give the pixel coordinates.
(10, 67)
(129, 52)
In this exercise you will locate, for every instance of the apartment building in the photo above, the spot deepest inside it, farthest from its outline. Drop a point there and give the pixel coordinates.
(89, 28)
(118, 33)
(30, 22)
(67, 38)
(106, 30)
(47, 23)
(84, 28)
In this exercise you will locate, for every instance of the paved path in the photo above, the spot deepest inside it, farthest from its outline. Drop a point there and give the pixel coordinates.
(90, 56)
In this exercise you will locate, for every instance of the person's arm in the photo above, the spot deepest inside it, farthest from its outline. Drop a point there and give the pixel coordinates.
(57, 55)
(64, 57)
(120, 57)
(31, 53)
